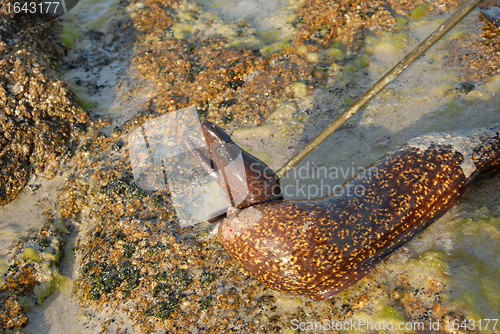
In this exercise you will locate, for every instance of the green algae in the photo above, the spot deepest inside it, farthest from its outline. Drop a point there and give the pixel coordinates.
(84, 102)
(31, 255)
(493, 83)
(203, 234)
(455, 34)
(390, 314)
(158, 248)
(269, 36)
(361, 61)
(94, 294)
(391, 43)
(181, 280)
(4, 267)
(420, 12)
(401, 22)
(207, 278)
(382, 315)
(122, 186)
(46, 288)
(162, 289)
(44, 243)
(369, 43)
(69, 35)
(300, 90)
(275, 47)
(163, 309)
(133, 8)
(129, 249)
(48, 257)
(336, 53)
(206, 303)
(433, 260)
(87, 266)
(287, 111)
(186, 16)
(453, 109)
(490, 288)
(302, 50)
(314, 57)
(110, 278)
(181, 30)
(262, 131)
(251, 42)
(476, 266)
(100, 22)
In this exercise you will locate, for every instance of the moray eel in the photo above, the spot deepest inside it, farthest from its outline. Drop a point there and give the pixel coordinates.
(320, 247)
(245, 179)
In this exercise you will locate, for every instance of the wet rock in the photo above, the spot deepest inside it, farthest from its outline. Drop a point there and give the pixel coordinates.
(37, 108)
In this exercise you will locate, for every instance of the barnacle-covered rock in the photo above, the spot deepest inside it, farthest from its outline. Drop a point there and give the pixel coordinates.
(32, 275)
(37, 109)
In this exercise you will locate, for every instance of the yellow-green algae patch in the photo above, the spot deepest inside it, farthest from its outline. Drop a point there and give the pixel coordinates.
(383, 315)
(84, 102)
(493, 84)
(250, 41)
(46, 288)
(299, 89)
(336, 51)
(100, 22)
(4, 266)
(269, 34)
(420, 12)
(31, 255)
(477, 264)
(401, 22)
(275, 47)
(390, 43)
(133, 8)
(182, 29)
(69, 35)
(433, 262)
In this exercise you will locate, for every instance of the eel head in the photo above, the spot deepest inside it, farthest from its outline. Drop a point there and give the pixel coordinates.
(245, 179)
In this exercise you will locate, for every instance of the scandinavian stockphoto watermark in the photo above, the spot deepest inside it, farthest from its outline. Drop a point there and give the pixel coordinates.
(365, 325)
(310, 182)
(49, 10)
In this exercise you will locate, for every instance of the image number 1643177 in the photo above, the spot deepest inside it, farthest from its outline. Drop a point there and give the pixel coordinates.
(49, 10)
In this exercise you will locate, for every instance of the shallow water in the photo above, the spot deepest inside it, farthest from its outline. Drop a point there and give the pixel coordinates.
(415, 104)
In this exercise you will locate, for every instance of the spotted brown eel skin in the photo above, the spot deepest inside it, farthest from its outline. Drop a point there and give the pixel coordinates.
(320, 247)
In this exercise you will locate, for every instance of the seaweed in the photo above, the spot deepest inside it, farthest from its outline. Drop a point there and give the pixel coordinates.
(180, 280)
(163, 309)
(206, 303)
